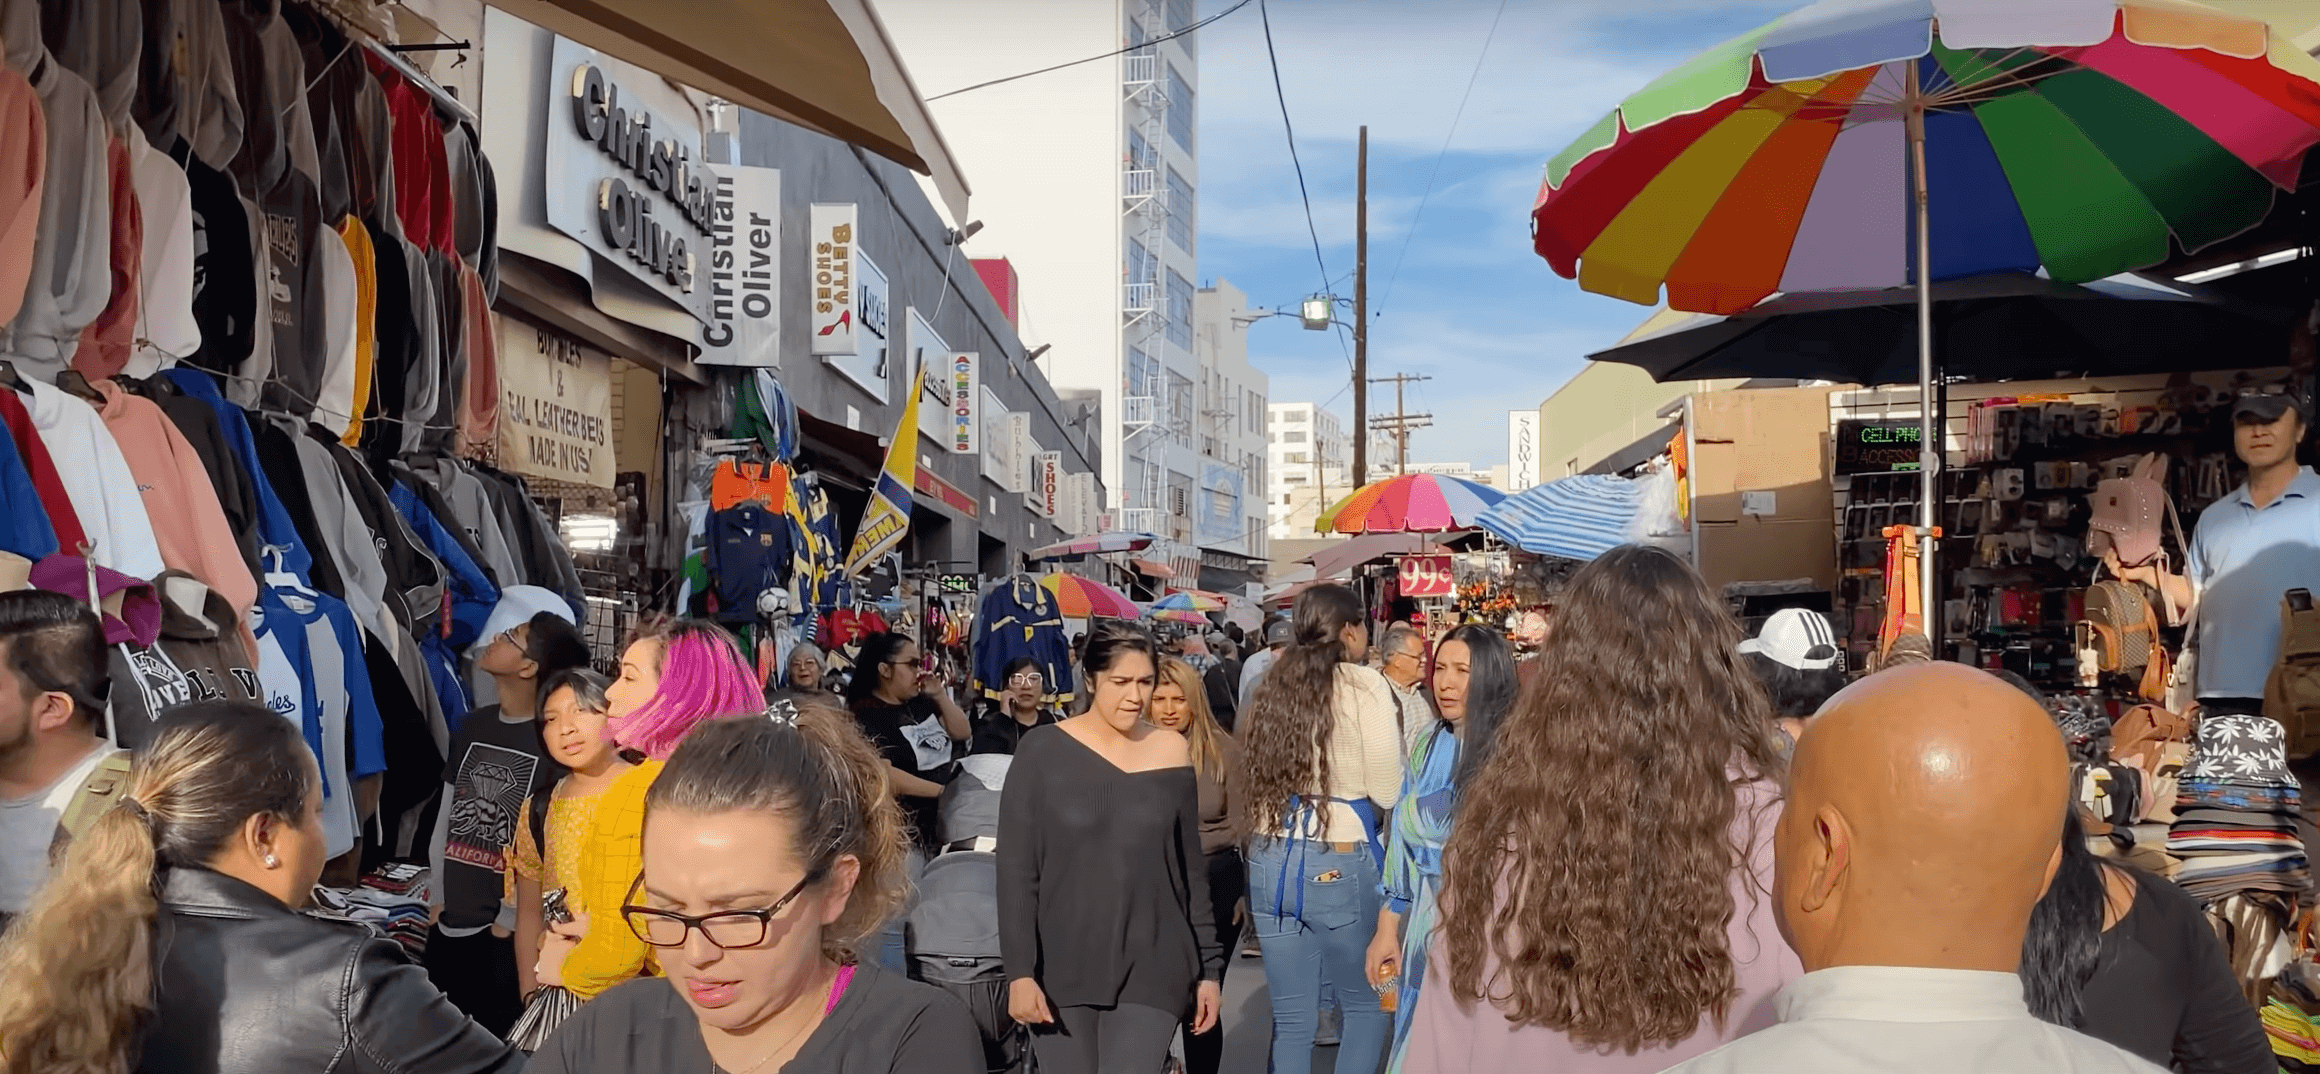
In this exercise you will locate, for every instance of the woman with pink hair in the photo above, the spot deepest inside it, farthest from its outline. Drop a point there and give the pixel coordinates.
(675, 674)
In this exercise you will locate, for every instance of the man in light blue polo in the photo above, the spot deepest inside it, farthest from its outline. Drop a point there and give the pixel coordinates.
(2251, 547)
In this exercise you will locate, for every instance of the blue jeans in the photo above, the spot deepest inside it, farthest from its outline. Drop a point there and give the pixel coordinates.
(1311, 929)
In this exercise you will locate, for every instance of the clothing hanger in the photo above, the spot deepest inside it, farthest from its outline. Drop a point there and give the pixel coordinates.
(278, 575)
(71, 382)
(9, 378)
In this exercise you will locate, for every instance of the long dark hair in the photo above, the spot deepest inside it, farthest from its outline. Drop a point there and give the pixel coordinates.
(1794, 692)
(1103, 646)
(1491, 686)
(588, 692)
(76, 972)
(1285, 744)
(870, 666)
(2065, 938)
(818, 775)
(1604, 817)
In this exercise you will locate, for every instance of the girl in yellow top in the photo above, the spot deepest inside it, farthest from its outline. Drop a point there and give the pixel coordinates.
(582, 811)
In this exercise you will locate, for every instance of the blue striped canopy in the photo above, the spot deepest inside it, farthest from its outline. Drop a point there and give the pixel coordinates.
(1578, 517)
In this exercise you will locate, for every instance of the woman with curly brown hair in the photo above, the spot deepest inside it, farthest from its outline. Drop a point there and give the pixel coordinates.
(1606, 899)
(772, 857)
(1321, 762)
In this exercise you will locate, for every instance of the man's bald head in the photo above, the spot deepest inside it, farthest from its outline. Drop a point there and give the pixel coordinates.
(1923, 820)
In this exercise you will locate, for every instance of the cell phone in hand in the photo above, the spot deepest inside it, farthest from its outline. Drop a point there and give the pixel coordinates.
(2300, 600)
(553, 908)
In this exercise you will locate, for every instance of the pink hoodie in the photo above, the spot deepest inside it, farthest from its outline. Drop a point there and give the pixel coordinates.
(188, 523)
(23, 165)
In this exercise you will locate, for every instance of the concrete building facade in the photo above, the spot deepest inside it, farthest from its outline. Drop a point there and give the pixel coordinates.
(1308, 458)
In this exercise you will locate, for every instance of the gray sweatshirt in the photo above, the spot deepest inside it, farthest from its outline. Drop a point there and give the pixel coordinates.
(72, 277)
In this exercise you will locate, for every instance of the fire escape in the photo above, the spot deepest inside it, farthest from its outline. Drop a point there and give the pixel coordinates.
(1144, 314)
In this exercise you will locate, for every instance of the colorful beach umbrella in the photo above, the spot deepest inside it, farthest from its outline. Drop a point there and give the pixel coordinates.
(1096, 544)
(1409, 503)
(1857, 144)
(1189, 600)
(1082, 598)
(1177, 615)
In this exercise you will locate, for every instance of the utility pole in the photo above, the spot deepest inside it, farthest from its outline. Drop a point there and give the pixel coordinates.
(1361, 311)
(1403, 422)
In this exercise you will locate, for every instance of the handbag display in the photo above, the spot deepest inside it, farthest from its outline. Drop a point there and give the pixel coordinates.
(2121, 631)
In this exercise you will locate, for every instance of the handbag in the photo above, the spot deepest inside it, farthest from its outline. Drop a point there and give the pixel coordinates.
(549, 1005)
(2125, 635)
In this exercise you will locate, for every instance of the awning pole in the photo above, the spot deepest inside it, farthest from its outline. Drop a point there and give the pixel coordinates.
(1929, 443)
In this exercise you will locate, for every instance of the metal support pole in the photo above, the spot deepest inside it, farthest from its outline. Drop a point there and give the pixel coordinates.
(1361, 312)
(1930, 421)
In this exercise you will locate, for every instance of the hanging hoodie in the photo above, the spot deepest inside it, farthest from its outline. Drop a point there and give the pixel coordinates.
(333, 399)
(200, 656)
(97, 478)
(72, 273)
(423, 381)
(101, 41)
(225, 292)
(166, 328)
(196, 538)
(23, 167)
(236, 493)
(472, 594)
(343, 402)
(42, 469)
(185, 83)
(471, 508)
(273, 521)
(278, 458)
(24, 527)
(109, 340)
(280, 166)
(350, 543)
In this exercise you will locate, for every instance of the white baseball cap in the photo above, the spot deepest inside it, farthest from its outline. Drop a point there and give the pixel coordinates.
(1799, 638)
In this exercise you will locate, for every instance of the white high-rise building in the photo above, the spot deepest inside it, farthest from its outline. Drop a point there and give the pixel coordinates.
(1306, 467)
(1229, 437)
(1085, 180)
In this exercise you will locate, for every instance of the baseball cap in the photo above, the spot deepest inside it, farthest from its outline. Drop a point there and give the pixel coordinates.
(1797, 637)
(2266, 407)
(1278, 633)
(517, 604)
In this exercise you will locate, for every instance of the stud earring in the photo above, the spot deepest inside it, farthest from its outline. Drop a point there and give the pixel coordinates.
(272, 861)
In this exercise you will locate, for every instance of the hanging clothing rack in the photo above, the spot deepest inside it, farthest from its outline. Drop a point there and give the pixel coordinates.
(386, 54)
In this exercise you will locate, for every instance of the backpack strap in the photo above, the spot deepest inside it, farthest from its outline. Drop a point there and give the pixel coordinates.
(106, 785)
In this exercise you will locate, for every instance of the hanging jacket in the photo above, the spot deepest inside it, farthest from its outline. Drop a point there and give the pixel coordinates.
(194, 536)
(236, 491)
(199, 657)
(1019, 618)
(24, 526)
(72, 275)
(94, 473)
(42, 469)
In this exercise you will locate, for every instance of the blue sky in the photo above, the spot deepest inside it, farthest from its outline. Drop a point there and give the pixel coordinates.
(1471, 305)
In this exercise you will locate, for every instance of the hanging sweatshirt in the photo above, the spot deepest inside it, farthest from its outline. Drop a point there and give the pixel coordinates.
(273, 521)
(200, 656)
(101, 41)
(97, 478)
(42, 469)
(236, 493)
(108, 341)
(195, 537)
(225, 292)
(349, 398)
(350, 542)
(334, 387)
(23, 167)
(166, 328)
(72, 273)
(25, 529)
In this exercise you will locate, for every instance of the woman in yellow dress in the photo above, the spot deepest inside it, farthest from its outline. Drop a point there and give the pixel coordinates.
(573, 713)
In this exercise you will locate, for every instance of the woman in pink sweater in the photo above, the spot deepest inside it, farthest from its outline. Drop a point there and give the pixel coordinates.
(1606, 902)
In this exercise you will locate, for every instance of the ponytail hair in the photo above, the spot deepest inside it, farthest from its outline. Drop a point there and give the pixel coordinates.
(76, 971)
(703, 673)
(820, 777)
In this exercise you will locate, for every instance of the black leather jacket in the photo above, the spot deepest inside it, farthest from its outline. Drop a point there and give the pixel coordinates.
(245, 985)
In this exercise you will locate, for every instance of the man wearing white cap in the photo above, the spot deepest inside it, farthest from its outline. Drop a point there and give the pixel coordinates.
(1797, 658)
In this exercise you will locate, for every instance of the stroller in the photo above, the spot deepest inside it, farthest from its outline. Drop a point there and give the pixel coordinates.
(952, 931)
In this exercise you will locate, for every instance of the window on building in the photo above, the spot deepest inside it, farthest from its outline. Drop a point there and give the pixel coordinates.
(1292, 479)
(1296, 436)
(1141, 154)
(1179, 310)
(1297, 458)
(1297, 417)
(1141, 264)
(1179, 110)
(1142, 373)
(1180, 414)
(1256, 413)
(1179, 211)
(1180, 17)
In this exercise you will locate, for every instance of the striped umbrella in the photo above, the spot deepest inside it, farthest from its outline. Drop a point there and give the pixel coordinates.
(1578, 517)
(1409, 503)
(1094, 544)
(1082, 598)
(1882, 143)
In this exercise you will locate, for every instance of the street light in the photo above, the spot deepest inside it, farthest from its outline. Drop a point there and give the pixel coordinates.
(1317, 312)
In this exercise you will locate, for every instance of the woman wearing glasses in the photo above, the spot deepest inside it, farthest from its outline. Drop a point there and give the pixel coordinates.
(1017, 711)
(772, 856)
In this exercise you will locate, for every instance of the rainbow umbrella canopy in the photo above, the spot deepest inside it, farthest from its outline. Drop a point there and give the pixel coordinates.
(1188, 600)
(1082, 598)
(1409, 503)
(1862, 144)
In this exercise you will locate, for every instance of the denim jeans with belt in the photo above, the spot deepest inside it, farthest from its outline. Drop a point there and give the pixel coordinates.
(1313, 908)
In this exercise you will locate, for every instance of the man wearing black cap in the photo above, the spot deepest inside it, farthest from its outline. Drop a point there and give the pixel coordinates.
(2251, 547)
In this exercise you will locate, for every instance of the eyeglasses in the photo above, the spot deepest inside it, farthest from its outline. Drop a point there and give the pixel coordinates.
(727, 929)
(509, 636)
(1027, 678)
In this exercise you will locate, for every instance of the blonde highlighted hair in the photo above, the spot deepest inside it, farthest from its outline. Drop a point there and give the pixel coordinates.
(1201, 731)
(76, 971)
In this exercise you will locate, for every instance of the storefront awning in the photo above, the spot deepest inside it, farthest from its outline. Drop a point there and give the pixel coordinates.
(826, 65)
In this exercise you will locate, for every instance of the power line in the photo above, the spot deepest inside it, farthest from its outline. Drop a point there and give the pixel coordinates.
(1131, 48)
(1438, 157)
(1283, 98)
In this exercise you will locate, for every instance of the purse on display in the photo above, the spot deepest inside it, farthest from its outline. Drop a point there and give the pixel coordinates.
(2121, 634)
(2130, 515)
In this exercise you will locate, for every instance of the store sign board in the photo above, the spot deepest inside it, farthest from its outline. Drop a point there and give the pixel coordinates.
(1876, 447)
(555, 406)
(924, 349)
(1019, 453)
(1522, 449)
(997, 443)
(629, 182)
(744, 268)
(956, 583)
(1218, 519)
(1426, 576)
(1047, 483)
(1089, 499)
(966, 394)
(849, 301)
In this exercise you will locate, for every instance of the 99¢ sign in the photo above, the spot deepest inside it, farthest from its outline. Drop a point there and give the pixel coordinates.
(1426, 576)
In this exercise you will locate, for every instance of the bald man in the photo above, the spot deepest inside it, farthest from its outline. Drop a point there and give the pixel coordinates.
(1923, 820)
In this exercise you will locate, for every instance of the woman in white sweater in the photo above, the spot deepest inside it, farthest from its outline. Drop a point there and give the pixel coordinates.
(1321, 765)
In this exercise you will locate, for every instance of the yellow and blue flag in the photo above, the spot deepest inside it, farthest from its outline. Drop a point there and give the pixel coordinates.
(887, 518)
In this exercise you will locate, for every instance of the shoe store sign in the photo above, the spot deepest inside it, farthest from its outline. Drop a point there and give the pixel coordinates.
(626, 178)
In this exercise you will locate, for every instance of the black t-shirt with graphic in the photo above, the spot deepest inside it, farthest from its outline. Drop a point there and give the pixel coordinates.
(494, 766)
(911, 738)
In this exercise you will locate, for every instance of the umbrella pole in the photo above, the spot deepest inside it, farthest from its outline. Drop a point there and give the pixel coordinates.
(1929, 445)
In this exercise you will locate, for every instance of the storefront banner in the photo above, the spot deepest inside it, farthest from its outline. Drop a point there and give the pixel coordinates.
(629, 181)
(744, 269)
(924, 349)
(1019, 450)
(886, 518)
(1426, 576)
(1522, 449)
(850, 322)
(555, 417)
(997, 444)
(1219, 518)
(964, 379)
(1047, 483)
(1088, 502)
